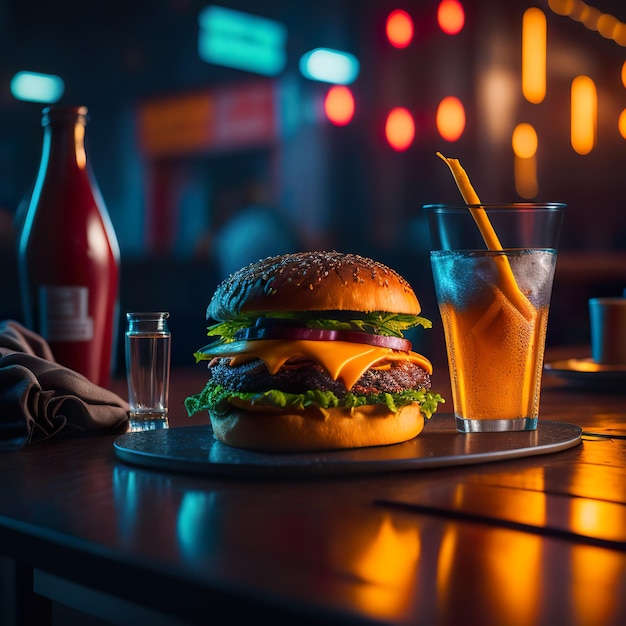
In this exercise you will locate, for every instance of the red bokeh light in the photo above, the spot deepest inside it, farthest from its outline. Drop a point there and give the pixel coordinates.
(450, 16)
(400, 129)
(399, 28)
(451, 118)
(339, 105)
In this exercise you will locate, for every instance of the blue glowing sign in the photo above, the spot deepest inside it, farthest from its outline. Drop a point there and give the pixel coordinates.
(329, 66)
(35, 87)
(242, 41)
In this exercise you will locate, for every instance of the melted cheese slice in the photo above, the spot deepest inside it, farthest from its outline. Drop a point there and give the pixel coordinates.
(343, 360)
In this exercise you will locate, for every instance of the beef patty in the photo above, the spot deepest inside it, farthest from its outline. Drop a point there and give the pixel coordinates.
(297, 376)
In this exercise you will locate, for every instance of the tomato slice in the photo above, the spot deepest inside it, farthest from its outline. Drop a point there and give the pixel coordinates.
(320, 334)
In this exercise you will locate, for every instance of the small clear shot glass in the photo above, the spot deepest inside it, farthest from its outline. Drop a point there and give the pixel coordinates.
(148, 346)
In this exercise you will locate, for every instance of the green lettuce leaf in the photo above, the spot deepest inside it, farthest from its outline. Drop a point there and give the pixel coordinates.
(377, 322)
(217, 399)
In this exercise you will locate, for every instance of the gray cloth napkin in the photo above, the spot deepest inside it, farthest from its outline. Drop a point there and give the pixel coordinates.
(40, 398)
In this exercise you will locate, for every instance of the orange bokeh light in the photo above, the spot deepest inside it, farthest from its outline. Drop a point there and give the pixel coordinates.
(399, 28)
(400, 129)
(451, 118)
(534, 51)
(524, 141)
(584, 114)
(450, 16)
(621, 123)
(339, 105)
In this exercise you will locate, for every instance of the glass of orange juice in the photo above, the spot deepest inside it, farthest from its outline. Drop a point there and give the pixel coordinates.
(494, 308)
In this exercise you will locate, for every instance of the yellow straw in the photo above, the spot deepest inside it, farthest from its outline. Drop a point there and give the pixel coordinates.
(509, 285)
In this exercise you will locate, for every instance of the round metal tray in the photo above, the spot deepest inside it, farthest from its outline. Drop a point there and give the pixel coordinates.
(194, 450)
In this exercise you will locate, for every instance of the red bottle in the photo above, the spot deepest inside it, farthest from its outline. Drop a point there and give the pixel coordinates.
(68, 253)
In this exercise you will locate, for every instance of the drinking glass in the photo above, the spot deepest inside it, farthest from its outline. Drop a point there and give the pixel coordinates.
(608, 330)
(148, 343)
(494, 308)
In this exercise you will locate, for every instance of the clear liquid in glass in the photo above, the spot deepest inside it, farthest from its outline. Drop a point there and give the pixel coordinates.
(148, 371)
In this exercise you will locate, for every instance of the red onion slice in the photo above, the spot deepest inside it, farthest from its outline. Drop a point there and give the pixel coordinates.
(320, 334)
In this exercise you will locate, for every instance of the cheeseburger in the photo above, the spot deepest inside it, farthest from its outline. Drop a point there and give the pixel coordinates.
(311, 355)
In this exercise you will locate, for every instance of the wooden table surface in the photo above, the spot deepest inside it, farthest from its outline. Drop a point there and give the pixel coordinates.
(532, 541)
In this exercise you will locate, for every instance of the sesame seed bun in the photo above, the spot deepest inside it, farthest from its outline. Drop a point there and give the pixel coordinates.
(313, 281)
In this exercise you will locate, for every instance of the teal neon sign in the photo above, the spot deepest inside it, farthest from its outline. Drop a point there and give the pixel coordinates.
(36, 87)
(241, 40)
(329, 66)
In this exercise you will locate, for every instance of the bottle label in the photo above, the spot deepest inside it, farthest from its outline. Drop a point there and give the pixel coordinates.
(64, 314)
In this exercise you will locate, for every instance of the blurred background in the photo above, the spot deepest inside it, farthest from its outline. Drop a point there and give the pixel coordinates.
(220, 132)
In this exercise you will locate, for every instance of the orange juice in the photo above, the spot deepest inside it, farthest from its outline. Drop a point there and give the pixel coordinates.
(495, 351)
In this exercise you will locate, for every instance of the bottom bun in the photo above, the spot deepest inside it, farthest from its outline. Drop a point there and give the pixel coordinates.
(371, 425)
